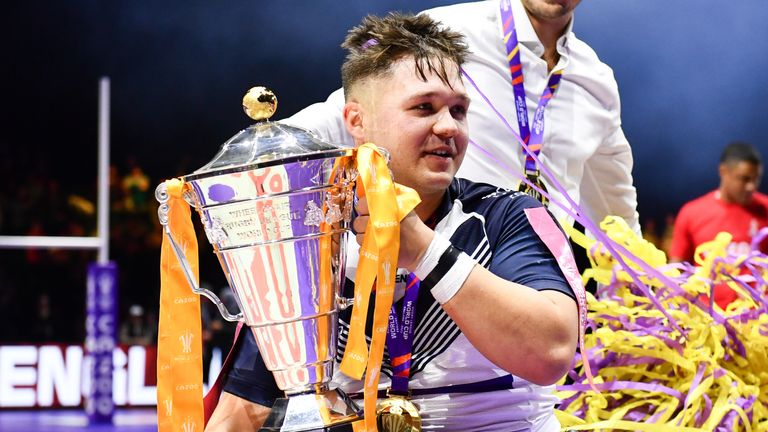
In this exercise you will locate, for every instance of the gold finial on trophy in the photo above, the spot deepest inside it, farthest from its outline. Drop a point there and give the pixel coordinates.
(259, 103)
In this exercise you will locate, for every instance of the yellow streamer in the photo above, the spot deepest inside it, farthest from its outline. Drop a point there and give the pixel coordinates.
(699, 365)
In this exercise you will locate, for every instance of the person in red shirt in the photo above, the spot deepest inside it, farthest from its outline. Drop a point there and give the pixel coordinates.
(735, 207)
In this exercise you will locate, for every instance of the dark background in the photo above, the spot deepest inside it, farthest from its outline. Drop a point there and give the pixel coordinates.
(691, 76)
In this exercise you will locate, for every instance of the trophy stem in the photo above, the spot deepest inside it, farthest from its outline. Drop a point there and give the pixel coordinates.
(326, 411)
(309, 389)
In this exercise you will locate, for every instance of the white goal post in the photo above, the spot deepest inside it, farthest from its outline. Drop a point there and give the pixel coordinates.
(100, 242)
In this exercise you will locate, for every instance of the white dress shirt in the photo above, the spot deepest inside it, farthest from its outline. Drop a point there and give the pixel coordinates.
(584, 146)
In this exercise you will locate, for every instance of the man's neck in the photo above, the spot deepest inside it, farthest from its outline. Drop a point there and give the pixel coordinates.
(549, 31)
(428, 206)
(723, 196)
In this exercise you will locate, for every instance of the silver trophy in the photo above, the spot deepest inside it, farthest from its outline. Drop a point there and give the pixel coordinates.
(276, 204)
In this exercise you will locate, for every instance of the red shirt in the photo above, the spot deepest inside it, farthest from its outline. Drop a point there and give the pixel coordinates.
(702, 219)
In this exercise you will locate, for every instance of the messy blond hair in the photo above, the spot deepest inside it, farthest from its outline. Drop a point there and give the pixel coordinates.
(378, 42)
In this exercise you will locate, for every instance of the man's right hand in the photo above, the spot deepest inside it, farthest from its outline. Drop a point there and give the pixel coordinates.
(415, 236)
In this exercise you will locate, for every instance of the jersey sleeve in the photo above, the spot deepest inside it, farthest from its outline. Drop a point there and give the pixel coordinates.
(519, 255)
(249, 377)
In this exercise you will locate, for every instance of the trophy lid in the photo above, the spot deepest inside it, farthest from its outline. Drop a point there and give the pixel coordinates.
(266, 143)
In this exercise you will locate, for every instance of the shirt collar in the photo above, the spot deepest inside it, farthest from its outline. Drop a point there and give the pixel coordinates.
(453, 192)
(526, 35)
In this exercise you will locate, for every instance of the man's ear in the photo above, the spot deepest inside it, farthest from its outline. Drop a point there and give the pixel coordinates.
(353, 120)
(722, 169)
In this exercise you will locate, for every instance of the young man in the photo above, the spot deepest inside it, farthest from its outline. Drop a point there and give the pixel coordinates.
(494, 312)
(735, 207)
(583, 144)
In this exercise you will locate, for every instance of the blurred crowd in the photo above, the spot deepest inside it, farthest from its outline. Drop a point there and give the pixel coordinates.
(42, 291)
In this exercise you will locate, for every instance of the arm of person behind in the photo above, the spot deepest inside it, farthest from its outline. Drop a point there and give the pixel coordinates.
(324, 119)
(607, 187)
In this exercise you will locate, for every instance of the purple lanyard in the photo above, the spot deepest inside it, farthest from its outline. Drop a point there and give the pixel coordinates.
(521, 107)
(400, 336)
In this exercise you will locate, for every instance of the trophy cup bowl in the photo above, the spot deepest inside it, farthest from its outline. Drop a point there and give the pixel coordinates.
(276, 203)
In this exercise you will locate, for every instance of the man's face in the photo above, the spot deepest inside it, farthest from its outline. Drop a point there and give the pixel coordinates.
(739, 180)
(422, 124)
(550, 9)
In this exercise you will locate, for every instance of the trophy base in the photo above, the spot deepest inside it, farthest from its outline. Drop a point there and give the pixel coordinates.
(328, 411)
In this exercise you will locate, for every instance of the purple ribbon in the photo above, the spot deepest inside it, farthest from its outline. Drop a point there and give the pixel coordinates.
(534, 140)
(400, 336)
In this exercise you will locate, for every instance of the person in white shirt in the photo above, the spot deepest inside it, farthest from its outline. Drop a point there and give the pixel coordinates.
(583, 143)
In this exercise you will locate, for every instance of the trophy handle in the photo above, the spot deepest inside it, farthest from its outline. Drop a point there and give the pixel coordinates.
(161, 194)
(345, 302)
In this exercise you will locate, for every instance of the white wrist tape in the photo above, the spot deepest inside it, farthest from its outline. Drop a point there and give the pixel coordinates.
(451, 282)
(435, 250)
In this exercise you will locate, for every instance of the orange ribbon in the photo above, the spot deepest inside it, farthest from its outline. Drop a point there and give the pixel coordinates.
(179, 345)
(388, 204)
